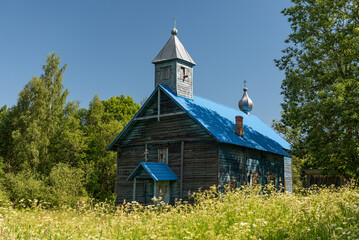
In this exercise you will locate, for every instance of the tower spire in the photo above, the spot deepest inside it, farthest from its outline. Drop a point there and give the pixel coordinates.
(174, 30)
(173, 50)
(174, 66)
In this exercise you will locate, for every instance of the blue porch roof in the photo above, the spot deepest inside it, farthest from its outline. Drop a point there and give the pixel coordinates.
(157, 171)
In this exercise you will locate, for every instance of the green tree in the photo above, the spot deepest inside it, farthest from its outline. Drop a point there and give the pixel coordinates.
(39, 112)
(321, 87)
(104, 120)
(6, 141)
(120, 108)
(68, 144)
(45, 141)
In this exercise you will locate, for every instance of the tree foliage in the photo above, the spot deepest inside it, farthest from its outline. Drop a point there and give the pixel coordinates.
(321, 87)
(67, 184)
(38, 116)
(6, 151)
(103, 121)
(53, 151)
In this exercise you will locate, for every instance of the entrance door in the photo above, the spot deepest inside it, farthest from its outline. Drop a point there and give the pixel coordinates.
(149, 191)
(163, 190)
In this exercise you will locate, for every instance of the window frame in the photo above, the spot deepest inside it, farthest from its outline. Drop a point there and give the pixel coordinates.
(184, 73)
(163, 152)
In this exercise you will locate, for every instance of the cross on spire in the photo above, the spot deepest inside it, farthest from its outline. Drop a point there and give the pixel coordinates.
(245, 83)
(174, 22)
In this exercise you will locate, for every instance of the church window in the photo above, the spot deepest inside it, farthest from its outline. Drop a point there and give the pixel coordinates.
(183, 73)
(165, 73)
(163, 155)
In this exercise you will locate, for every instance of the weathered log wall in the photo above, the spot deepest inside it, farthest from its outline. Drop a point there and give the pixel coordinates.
(240, 165)
(198, 156)
(194, 155)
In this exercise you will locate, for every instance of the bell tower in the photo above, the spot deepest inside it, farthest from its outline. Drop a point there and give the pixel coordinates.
(174, 67)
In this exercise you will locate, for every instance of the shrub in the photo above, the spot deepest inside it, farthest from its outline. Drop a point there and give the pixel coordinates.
(26, 186)
(67, 184)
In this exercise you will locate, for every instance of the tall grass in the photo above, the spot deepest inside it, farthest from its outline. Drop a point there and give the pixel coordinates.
(325, 213)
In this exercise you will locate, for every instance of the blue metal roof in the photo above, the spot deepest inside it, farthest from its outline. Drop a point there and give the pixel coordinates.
(219, 121)
(158, 171)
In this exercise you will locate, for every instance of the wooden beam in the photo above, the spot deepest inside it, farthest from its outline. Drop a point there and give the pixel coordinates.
(181, 174)
(218, 164)
(144, 190)
(164, 141)
(134, 189)
(159, 116)
(158, 104)
(154, 188)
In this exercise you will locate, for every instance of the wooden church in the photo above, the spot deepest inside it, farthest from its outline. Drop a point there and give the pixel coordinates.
(177, 142)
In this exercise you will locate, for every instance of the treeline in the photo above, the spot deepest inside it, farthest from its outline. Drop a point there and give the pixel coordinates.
(321, 87)
(52, 150)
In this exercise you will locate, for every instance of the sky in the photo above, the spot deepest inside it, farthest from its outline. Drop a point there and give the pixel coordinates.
(109, 45)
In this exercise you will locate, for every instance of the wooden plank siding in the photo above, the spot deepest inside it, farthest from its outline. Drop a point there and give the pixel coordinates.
(238, 163)
(184, 85)
(199, 161)
(199, 166)
(167, 105)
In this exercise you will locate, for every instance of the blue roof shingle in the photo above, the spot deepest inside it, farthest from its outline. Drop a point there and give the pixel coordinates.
(219, 121)
(158, 171)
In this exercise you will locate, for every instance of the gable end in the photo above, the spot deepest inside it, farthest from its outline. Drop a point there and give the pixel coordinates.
(161, 107)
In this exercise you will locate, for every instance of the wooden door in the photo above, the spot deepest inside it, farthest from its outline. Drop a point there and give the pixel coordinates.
(149, 191)
(163, 190)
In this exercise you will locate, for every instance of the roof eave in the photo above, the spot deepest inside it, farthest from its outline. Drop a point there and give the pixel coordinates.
(192, 63)
(110, 147)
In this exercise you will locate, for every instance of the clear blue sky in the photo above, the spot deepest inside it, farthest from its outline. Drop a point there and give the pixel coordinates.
(109, 46)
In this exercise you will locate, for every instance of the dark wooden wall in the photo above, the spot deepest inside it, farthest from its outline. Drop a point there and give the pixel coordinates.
(200, 151)
(192, 151)
(238, 163)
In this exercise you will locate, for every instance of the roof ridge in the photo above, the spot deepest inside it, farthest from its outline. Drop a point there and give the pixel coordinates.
(221, 104)
(196, 96)
(218, 120)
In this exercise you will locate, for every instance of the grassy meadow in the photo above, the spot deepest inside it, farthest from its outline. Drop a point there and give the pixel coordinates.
(326, 213)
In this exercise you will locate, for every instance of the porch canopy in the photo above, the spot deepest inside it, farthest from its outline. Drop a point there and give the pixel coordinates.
(158, 171)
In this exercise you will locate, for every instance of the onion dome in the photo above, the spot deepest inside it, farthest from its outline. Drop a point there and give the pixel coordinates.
(245, 104)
